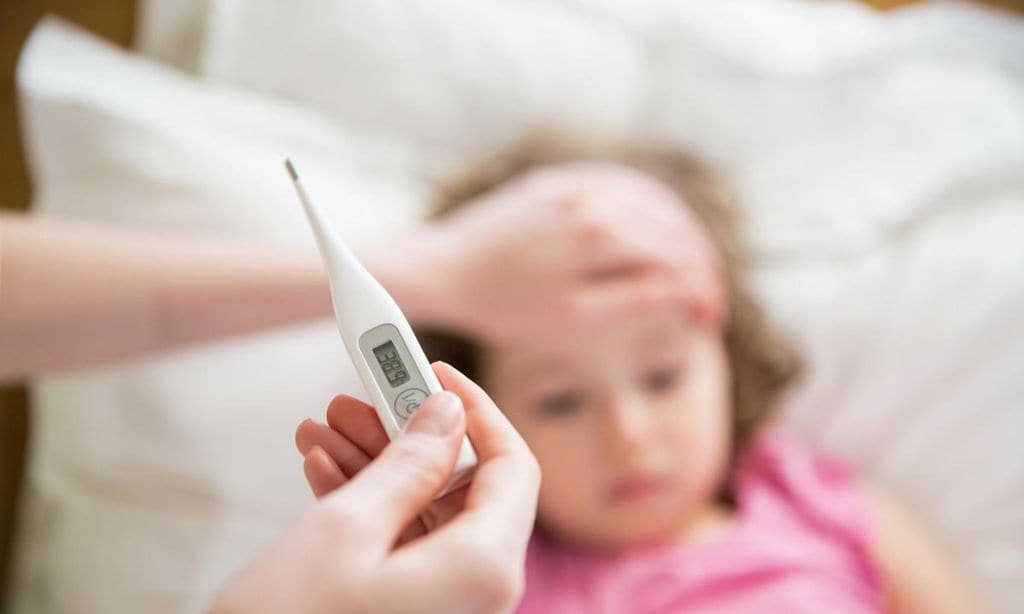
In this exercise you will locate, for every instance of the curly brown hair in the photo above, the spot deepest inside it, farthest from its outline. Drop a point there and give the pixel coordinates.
(761, 361)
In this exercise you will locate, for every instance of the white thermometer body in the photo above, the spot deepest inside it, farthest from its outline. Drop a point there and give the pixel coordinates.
(391, 364)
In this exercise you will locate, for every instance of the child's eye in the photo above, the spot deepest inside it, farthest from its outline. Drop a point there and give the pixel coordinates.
(560, 404)
(661, 380)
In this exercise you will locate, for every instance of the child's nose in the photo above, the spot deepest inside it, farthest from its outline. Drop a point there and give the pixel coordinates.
(626, 425)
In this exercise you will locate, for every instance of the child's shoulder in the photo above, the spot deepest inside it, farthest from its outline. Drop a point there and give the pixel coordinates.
(815, 502)
(780, 481)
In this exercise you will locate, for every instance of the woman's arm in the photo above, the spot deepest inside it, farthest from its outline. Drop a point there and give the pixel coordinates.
(919, 577)
(74, 295)
(526, 258)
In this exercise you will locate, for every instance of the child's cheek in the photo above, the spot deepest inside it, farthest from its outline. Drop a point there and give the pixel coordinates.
(569, 485)
(559, 511)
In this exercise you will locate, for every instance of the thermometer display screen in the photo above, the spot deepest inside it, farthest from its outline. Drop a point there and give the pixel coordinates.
(390, 362)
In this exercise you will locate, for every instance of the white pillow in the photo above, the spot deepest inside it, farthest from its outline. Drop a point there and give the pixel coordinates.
(801, 101)
(841, 125)
(151, 481)
(456, 76)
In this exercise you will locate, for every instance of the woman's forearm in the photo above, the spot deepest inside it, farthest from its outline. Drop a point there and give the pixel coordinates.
(74, 295)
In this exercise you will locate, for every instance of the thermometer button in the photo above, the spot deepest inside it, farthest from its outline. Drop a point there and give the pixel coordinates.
(409, 401)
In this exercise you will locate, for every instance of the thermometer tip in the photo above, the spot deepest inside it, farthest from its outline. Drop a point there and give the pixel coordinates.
(291, 169)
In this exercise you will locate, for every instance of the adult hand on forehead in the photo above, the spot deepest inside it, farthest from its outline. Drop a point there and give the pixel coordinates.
(579, 243)
(363, 547)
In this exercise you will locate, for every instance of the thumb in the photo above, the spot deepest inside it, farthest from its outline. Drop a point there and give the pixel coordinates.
(395, 487)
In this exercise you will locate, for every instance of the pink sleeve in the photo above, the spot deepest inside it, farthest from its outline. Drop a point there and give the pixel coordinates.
(783, 482)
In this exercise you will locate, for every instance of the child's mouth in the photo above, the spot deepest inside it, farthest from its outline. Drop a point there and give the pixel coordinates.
(639, 488)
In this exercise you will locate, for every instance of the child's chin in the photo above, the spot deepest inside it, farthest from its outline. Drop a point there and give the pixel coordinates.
(633, 530)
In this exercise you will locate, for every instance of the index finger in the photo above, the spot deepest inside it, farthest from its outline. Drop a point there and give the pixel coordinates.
(502, 498)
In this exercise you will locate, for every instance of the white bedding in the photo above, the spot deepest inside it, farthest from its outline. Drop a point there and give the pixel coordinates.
(881, 160)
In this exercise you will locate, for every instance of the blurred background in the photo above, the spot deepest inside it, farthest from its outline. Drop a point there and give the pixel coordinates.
(935, 62)
(114, 21)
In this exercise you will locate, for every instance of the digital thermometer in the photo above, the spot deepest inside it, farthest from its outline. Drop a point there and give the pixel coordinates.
(386, 354)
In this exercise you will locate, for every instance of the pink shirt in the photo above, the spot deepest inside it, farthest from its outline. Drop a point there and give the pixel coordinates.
(799, 543)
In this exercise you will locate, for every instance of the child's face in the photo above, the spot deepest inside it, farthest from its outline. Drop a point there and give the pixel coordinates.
(630, 424)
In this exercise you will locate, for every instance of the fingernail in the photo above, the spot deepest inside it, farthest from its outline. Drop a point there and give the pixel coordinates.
(439, 415)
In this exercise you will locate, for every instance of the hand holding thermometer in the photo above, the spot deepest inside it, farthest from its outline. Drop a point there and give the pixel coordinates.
(386, 354)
